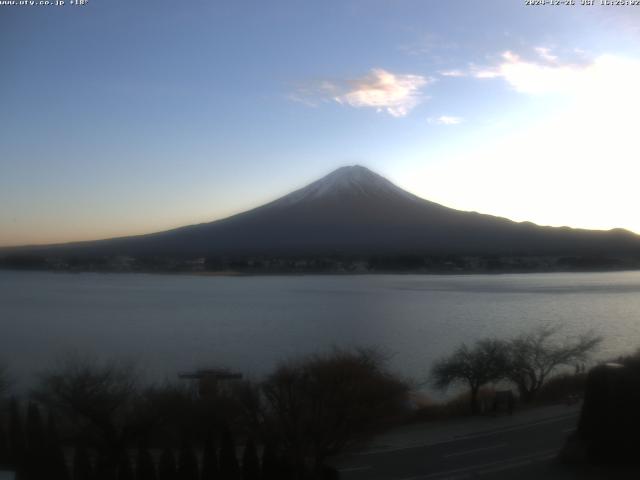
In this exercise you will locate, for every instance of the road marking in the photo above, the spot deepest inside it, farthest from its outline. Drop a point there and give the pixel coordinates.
(467, 452)
(470, 436)
(354, 469)
(512, 465)
(568, 430)
(522, 426)
(491, 466)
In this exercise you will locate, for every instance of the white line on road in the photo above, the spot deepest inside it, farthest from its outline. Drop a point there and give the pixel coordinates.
(568, 430)
(355, 469)
(522, 463)
(468, 452)
(497, 465)
(487, 433)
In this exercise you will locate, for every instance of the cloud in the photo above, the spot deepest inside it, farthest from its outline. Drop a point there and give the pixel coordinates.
(543, 76)
(486, 74)
(395, 94)
(574, 163)
(545, 54)
(445, 120)
(385, 91)
(453, 73)
(314, 95)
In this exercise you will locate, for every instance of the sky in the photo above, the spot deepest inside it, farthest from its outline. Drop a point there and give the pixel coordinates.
(121, 117)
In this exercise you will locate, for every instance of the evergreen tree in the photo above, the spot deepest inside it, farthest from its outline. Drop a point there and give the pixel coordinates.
(229, 468)
(55, 456)
(16, 437)
(167, 468)
(187, 462)
(286, 470)
(105, 468)
(250, 462)
(4, 449)
(82, 467)
(35, 428)
(145, 467)
(269, 463)
(36, 466)
(124, 468)
(209, 461)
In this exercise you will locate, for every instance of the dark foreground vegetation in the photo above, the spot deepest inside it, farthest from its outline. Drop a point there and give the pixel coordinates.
(608, 428)
(91, 420)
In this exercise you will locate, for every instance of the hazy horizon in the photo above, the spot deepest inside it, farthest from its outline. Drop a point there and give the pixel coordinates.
(128, 118)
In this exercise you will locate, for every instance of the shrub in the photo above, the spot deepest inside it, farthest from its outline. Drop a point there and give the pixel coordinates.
(323, 403)
(560, 387)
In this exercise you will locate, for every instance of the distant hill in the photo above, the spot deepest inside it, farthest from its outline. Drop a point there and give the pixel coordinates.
(354, 211)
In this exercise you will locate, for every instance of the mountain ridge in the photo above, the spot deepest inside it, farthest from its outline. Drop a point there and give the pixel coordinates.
(354, 211)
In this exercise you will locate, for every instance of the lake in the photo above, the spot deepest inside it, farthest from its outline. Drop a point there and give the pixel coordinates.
(169, 323)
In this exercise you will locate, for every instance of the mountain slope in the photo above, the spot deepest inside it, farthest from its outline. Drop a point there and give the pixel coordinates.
(355, 211)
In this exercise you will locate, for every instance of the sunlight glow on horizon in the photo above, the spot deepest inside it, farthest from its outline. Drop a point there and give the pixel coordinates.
(577, 167)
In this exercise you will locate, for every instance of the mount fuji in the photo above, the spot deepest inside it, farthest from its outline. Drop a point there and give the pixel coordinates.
(355, 211)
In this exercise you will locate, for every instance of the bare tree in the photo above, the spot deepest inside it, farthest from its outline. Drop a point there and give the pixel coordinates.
(534, 356)
(96, 396)
(474, 366)
(5, 380)
(325, 402)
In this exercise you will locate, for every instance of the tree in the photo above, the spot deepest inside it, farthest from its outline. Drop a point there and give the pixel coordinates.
(4, 450)
(474, 366)
(58, 469)
(187, 462)
(145, 468)
(36, 461)
(105, 468)
(125, 472)
(269, 466)
(324, 403)
(5, 380)
(82, 467)
(250, 462)
(164, 408)
(95, 395)
(229, 468)
(209, 460)
(17, 447)
(167, 467)
(533, 356)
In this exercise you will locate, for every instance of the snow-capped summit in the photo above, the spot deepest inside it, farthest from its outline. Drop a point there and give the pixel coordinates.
(353, 180)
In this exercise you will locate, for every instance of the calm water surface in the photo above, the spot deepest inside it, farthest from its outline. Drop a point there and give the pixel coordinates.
(169, 323)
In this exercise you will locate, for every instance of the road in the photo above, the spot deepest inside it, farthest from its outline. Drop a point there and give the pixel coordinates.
(494, 454)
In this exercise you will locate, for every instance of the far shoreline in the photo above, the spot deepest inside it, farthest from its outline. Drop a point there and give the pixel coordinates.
(238, 273)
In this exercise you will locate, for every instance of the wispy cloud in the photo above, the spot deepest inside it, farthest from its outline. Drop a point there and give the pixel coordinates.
(445, 120)
(313, 95)
(545, 54)
(384, 91)
(453, 73)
